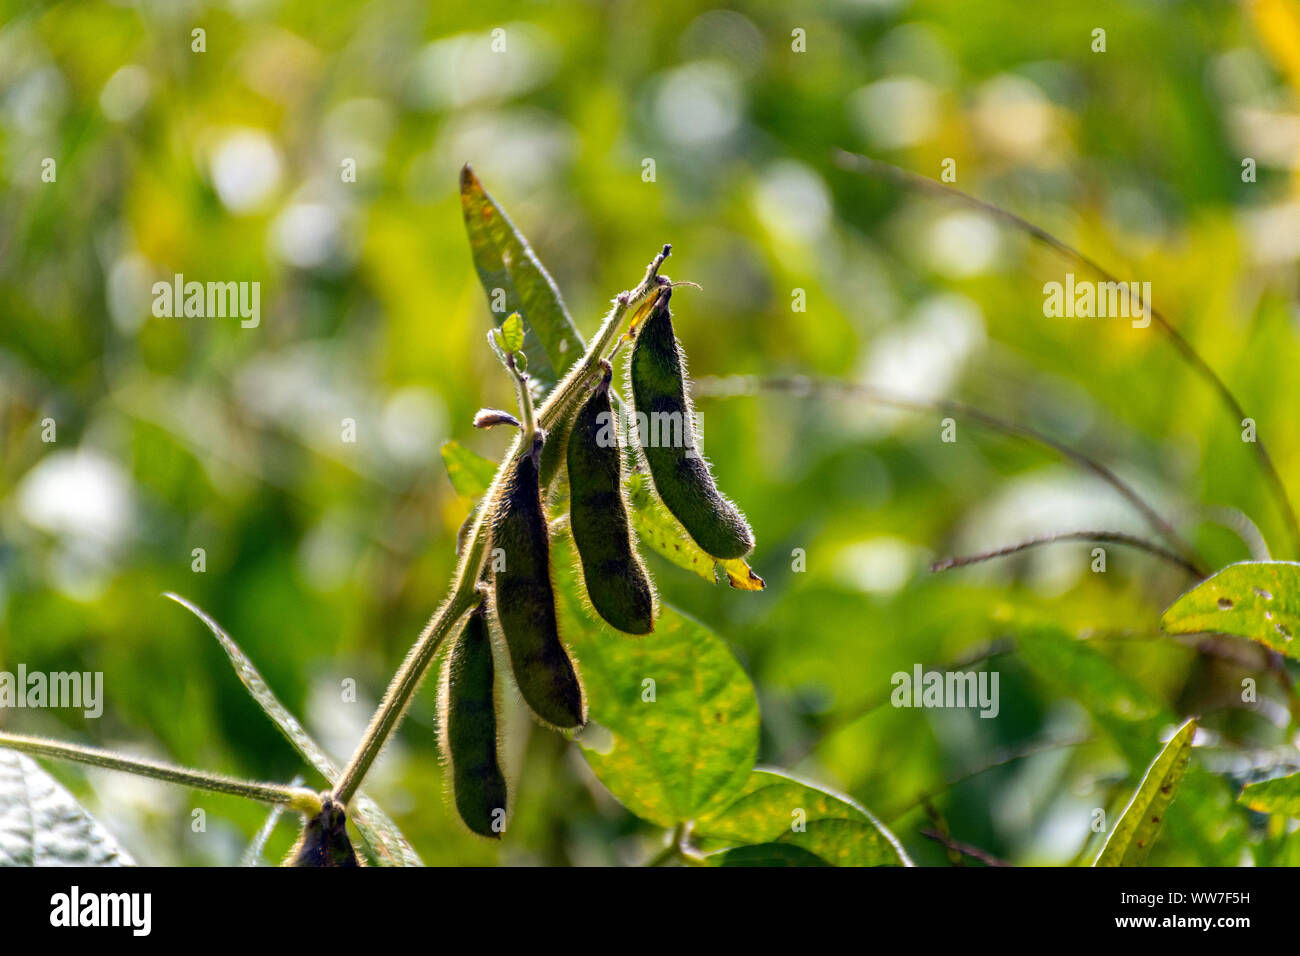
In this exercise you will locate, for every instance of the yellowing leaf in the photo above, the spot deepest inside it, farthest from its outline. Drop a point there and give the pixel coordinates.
(1279, 795)
(1255, 599)
(1130, 841)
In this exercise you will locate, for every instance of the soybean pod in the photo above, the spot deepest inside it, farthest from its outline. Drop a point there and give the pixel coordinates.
(524, 598)
(468, 729)
(616, 580)
(666, 432)
(324, 840)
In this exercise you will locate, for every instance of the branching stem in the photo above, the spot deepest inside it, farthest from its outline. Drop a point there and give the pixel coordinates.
(464, 597)
(1105, 537)
(295, 798)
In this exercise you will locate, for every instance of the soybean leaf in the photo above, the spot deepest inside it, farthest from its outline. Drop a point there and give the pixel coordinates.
(1279, 795)
(470, 473)
(41, 824)
(1120, 705)
(381, 834)
(1255, 599)
(512, 333)
(679, 709)
(1130, 841)
(505, 262)
(767, 854)
(776, 807)
(659, 530)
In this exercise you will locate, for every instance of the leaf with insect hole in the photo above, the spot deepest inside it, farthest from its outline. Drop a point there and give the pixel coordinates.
(1129, 843)
(1255, 599)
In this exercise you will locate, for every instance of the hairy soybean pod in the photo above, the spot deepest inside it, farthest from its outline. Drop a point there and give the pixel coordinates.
(666, 431)
(524, 600)
(616, 579)
(468, 705)
(324, 841)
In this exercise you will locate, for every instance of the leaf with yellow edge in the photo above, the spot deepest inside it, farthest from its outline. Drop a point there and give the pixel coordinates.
(1279, 795)
(1130, 841)
(1255, 599)
(660, 531)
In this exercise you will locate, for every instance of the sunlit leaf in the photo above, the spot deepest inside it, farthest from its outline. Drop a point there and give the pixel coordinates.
(681, 712)
(470, 473)
(253, 854)
(504, 261)
(1255, 599)
(1130, 841)
(775, 807)
(1279, 795)
(512, 333)
(660, 531)
(376, 828)
(41, 824)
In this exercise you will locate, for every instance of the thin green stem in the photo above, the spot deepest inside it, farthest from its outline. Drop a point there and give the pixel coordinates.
(524, 398)
(295, 798)
(464, 596)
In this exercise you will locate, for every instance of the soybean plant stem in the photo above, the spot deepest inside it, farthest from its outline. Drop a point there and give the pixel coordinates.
(295, 798)
(527, 420)
(464, 596)
(1104, 537)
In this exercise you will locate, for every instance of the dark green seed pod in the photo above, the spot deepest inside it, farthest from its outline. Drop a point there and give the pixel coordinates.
(524, 600)
(468, 729)
(553, 453)
(616, 579)
(681, 476)
(324, 841)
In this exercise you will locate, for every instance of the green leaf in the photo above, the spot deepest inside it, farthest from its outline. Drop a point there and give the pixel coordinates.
(1279, 795)
(776, 807)
(470, 473)
(41, 824)
(1130, 841)
(512, 333)
(767, 854)
(687, 751)
(504, 261)
(1120, 705)
(381, 834)
(1255, 599)
(657, 528)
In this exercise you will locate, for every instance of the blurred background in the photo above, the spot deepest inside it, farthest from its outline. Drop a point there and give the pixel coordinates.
(324, 558)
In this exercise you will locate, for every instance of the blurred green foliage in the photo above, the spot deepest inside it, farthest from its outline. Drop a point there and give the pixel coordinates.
(323, 557)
